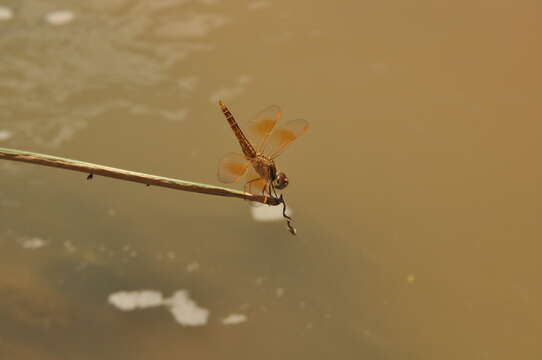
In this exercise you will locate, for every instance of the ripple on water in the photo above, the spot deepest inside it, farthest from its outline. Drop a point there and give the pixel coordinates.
(68, 70)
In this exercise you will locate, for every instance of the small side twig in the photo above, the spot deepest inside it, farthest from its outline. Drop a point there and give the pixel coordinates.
(95, 169)
(289, 220)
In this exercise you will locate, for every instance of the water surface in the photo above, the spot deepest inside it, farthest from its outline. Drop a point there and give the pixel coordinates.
(415, 191)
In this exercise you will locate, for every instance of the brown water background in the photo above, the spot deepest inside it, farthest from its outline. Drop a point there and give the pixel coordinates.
(416, 190)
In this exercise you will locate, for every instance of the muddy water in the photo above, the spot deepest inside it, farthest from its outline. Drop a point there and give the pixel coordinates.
(415, 191)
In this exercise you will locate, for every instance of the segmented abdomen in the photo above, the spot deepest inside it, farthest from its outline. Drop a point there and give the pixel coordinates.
(247, 148)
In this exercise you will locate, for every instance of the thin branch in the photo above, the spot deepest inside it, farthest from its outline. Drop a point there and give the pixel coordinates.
(95, 169)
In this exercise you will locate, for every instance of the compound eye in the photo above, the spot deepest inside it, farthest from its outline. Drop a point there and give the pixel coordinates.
(281, 181)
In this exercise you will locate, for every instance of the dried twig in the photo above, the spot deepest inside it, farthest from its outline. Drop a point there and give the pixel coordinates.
(95, 169)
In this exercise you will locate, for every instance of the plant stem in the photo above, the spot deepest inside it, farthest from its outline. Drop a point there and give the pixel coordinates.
(95, 169)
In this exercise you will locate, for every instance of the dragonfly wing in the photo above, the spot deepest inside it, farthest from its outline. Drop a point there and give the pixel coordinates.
(231, 167)
(261, 126)
(255, 184)
(284, 135)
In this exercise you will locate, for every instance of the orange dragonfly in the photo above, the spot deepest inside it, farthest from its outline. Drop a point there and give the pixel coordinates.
(258, 158)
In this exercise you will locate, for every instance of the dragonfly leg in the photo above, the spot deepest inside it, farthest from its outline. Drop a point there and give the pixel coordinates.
(261, 190)
(271, 187)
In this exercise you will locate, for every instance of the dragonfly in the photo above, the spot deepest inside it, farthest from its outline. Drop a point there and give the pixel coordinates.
(257, 161)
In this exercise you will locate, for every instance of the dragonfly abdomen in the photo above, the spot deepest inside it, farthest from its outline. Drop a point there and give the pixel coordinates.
(247, 148)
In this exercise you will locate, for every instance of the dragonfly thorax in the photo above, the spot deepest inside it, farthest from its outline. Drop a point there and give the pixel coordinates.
(266, 168)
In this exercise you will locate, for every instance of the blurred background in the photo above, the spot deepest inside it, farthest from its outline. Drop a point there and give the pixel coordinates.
(416, 191)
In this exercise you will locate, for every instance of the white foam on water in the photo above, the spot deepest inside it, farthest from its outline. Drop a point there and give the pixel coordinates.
(5, 13)
(185, 310)
(60, 17)
(234, 319)
(5, 134)
(266, 213)
(32, 243)
(131, 300)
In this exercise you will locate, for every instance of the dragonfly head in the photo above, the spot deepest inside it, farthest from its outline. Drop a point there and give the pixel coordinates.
(281, 181)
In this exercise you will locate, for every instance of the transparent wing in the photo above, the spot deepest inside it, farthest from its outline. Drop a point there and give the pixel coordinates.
(284, 135)
(255, 183)
(260, 128)
(231, 167)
